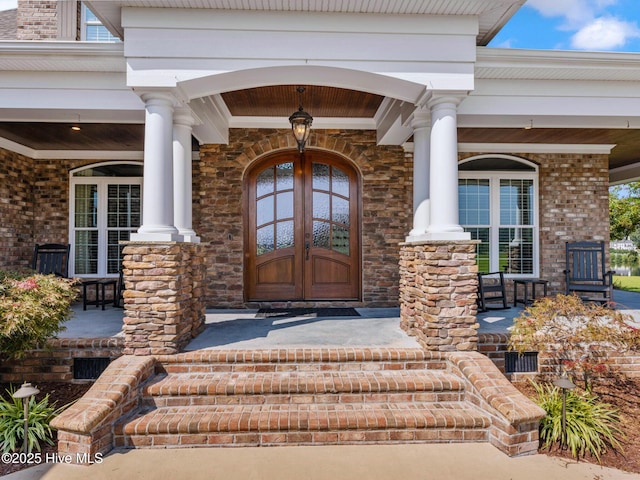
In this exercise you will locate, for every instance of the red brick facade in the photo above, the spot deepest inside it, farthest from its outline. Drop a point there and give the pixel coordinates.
(37, 20)
(573, 204)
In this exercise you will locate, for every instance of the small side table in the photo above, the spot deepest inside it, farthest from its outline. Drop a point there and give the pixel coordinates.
(525, 282)
(100, 297)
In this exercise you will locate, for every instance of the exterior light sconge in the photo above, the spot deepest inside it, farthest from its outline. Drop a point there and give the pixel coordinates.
(529, 126)
(301, 123)
(25, 392)
(75, 128)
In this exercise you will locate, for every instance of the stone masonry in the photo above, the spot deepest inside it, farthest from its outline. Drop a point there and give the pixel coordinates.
(438, 285)
(164, 298)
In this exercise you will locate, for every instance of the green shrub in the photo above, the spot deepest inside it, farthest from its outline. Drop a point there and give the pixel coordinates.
(579, 335)
(32, 309)
(591, 426)
(12, 422)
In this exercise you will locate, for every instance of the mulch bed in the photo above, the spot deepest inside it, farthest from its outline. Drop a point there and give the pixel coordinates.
(624, 394)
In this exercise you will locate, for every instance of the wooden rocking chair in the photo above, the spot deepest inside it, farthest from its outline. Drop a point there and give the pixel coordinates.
(51, 258)
(491, 290)
(585, 272)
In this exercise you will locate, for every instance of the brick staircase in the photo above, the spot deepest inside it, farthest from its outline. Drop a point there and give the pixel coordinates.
(302, 397)
(299, 397)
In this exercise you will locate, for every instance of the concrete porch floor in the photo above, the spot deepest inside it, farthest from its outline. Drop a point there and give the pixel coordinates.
(241, 329)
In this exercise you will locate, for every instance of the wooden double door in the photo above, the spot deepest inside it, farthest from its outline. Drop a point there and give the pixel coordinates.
(302, 239)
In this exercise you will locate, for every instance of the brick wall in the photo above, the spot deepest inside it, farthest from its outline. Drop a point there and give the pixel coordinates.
(37, 20)
(54, 363)
(386, 207)
(573, 205)
(16, 210)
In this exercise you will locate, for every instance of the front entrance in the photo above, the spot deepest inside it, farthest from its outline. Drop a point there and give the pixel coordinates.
(302, 239)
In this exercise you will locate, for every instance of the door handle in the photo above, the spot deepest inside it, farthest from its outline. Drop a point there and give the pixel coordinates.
(306, 249)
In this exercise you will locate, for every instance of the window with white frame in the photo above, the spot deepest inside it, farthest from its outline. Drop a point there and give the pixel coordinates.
(498, 199)
(105, 207)
(92, 28)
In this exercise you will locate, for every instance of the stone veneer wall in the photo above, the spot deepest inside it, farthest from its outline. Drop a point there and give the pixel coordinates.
(164, 296)
(37, 20)
(386, 176)
(438, 285)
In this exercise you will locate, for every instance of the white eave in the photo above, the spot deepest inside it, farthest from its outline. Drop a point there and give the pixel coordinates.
(492, 14)
(512, 64)
(62, 56)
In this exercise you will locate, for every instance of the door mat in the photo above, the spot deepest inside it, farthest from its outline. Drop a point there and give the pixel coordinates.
(306, 312)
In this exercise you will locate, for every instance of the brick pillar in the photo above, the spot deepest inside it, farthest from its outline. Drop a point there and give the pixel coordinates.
(164, 296)
(438, 290)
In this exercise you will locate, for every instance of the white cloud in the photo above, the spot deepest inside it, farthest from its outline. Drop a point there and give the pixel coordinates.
(8, 4)
(575, 13)
(605, 33)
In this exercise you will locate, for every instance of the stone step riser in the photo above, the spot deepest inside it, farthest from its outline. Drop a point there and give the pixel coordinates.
(176, 368)
(300, 399)
(358, 437)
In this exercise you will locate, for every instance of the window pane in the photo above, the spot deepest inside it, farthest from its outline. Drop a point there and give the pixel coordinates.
(320, 176)
(474, 201)
(321, 234)
(265, 182)
(264, 212)
(516, 202)
(482, 249)
(284, 176)
(265, 240)
(284, 234)
(340, 239)
(86, 206)
(123, 206)
(516, 250)
(321, 205)
(86, 252)
(114, 249)
(339, 182)
(284, 205)
(340, 210)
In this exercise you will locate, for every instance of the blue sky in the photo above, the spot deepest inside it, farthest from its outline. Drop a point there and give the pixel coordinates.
(594, 25)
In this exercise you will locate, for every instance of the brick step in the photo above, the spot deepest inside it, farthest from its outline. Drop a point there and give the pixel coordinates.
(304, 424)
(301, 359)
(303, 387)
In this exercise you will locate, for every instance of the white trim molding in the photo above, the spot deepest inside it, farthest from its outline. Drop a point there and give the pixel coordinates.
(535, 148)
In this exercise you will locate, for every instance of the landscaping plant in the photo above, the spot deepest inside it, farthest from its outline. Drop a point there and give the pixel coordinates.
(591, 426)
(579, 335)
(32, 310)
(12, 422)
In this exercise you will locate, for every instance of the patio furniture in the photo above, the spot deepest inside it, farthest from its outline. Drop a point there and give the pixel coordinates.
(51, 258)
(585, 272)
(526, 282)
(100, 298)
(491, 289)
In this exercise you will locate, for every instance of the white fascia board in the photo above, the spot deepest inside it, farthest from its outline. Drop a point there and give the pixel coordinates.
(562, 148)
(390, 122)
(212, 125)
(72, 115)
(69, 154)
(289, 21)
(546, 121)
(318, 123)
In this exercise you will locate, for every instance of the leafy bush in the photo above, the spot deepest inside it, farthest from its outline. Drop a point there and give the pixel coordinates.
(32, 309)
(578, 334)
(12, 422)
(591, 426)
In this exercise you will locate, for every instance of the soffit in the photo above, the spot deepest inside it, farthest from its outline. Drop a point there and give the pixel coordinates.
(492, 14)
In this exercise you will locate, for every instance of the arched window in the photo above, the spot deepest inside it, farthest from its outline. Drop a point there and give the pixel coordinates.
(105, 207)
(498, 205)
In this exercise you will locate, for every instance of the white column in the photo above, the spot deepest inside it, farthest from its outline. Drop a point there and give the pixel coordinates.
(157, 199)
(443, 183)
(421, 125)
(182, 175)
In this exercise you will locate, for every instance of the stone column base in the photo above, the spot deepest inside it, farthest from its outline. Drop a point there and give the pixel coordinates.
(164, 296)
(438, 291)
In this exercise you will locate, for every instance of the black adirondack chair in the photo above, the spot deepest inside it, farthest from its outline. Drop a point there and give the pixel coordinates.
(586, 275)
(491, 290)
(51, 258)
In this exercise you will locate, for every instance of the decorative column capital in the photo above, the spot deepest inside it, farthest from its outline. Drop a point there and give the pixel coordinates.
(446, 99)
(159, 98)
(182, 116)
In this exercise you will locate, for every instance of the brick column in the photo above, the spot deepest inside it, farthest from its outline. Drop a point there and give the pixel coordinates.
(164, 296)
(438, 290)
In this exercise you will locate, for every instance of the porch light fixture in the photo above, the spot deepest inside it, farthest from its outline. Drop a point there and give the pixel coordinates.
(301, 123)
(529, 126)
(25, 392)
(75, 128)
